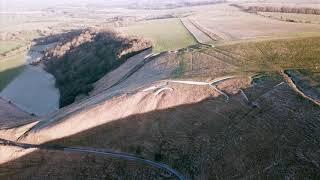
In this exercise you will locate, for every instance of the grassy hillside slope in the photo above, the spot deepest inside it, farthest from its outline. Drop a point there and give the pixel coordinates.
(253, 126)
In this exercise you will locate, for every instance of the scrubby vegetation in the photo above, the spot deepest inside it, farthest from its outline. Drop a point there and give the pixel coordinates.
(84, 59)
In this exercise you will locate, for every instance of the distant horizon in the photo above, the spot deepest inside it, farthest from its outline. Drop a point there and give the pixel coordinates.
(40, 4)
(7, 5)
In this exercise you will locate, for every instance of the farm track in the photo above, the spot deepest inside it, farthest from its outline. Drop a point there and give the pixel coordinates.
(199, 37)
(210, 34)
(104, 152)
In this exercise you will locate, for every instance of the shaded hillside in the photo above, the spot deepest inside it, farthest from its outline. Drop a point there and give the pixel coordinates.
(209, 139)
(83, 59)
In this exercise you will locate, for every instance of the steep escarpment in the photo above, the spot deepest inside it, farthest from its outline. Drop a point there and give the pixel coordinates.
(83, 59)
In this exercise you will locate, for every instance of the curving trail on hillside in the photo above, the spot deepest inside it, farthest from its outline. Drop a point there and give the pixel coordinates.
(104, 152)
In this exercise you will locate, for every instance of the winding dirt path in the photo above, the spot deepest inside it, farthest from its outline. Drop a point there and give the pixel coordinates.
(119, 155)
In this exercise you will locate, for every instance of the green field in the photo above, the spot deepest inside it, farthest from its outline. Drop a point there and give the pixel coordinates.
(299, 53)
(10, 68)
(6, 46)
(166, 34)
(298, 57)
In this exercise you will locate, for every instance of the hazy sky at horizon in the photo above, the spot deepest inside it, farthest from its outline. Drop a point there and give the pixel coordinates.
(39, 4)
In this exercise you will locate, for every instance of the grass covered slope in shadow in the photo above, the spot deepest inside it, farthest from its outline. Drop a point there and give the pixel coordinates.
(218, 139)
(209, 139)
(50, 164)
(85, 58)
(10, 68)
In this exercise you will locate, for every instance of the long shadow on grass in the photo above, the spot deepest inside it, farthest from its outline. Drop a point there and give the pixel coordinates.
(8, 75)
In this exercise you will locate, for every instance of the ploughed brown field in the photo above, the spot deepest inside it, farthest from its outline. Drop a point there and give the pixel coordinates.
(230, 23)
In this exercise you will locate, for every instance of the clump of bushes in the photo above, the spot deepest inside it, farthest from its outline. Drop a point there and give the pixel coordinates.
(83, 59)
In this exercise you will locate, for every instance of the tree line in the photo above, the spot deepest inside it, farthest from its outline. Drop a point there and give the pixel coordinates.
(298, 10)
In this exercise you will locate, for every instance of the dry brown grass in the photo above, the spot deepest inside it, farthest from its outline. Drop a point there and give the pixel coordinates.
(207, 139)
(43, 164)
(11, 116)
